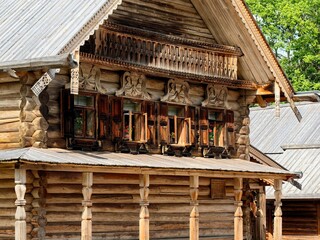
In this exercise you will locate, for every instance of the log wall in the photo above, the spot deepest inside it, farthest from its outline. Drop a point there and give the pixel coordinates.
(301, 219)
(116, 207)
(9, 114)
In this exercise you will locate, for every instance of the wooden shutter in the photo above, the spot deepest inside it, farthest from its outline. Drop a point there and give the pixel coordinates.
(230, 120)
(151, 122)
(163, 123)
(191, 113)
(203, 127)
(116, 116)
(67, 113)
(103, 117)
(230, 128)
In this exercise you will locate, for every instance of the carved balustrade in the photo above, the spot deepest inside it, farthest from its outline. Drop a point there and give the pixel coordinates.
(219, 61)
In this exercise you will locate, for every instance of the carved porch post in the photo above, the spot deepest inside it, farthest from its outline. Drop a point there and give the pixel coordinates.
(262, 214)
(194, 215)
(144, 212)
(277, 228)
(20, 216)
(86, 223)
(238, 221)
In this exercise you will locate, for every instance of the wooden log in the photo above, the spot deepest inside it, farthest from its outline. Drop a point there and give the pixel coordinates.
(10, 125)
(10, 104)
(12, 137)
(9, 115)
(9, 145)
(125, 189)
(40, 123)
(6, 78)
(10, 89)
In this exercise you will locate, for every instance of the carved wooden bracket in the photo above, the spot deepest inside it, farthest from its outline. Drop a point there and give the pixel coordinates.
(133, 84)
(89, 78)
(216, 96)
(178, 92)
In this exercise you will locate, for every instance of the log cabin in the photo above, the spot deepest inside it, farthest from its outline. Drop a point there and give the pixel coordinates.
(130, 120)
(298, 150)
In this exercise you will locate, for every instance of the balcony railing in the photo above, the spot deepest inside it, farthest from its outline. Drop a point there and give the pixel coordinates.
(179, 57)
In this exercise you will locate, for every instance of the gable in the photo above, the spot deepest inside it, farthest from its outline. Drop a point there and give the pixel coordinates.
(176, 18)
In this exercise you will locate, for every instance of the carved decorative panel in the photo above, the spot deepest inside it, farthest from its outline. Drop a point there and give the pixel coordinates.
(216, 96)
(177, 91)
(133, 84)
(89, 78)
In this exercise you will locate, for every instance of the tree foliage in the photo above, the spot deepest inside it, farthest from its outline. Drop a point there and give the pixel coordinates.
(292, 29)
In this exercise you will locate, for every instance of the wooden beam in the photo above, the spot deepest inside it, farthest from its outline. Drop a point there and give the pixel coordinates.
(194, 214)
(20, 176)
(153, 171)
(144, 183)
(238, 220)
(261, 213)
(277, 222)
(86, 223)
(58, 61)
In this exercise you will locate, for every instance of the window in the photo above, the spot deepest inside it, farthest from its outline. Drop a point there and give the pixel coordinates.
(216, 128)
(134, 121)
(176, 125)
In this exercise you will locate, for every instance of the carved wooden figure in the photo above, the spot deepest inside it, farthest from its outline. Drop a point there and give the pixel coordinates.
(133, 84)
(216, 96)
(177, 92)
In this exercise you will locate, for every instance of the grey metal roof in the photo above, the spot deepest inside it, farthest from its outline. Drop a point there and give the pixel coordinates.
(40, 28)
(105, 159)
(300, 141)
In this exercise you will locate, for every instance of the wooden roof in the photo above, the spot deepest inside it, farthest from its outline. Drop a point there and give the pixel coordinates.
(38, 28)
(292, 144)
(157, 164)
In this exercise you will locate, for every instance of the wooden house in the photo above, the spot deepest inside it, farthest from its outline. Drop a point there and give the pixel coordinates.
(130, 120)
(298, 150)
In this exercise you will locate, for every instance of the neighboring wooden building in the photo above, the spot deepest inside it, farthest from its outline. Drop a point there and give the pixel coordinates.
(130, 120)
(294, 145)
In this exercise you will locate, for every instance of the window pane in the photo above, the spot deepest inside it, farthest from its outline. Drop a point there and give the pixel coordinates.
(176, 111)
(78, 123)
(90, 123)
(172, 132)
(131, 106)
(85, 101)
(126, 129)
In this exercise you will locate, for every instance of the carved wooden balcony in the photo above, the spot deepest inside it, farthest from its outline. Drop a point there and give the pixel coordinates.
(172, 54)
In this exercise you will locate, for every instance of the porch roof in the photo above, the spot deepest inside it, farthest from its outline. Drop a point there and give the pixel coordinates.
(166, 165)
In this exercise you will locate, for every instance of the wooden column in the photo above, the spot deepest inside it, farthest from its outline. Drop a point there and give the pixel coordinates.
(277, 222)
(86, 223)
(238, 221)
(20, 216)
(194, 215)
(261, 213)
(144, 212)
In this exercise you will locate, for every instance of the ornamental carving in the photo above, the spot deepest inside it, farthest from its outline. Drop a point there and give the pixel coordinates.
(133, 84)
(178, 92)
(216, 96)
(89, 78)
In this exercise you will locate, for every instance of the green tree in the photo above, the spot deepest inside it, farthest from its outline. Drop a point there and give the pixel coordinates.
(292, 29)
